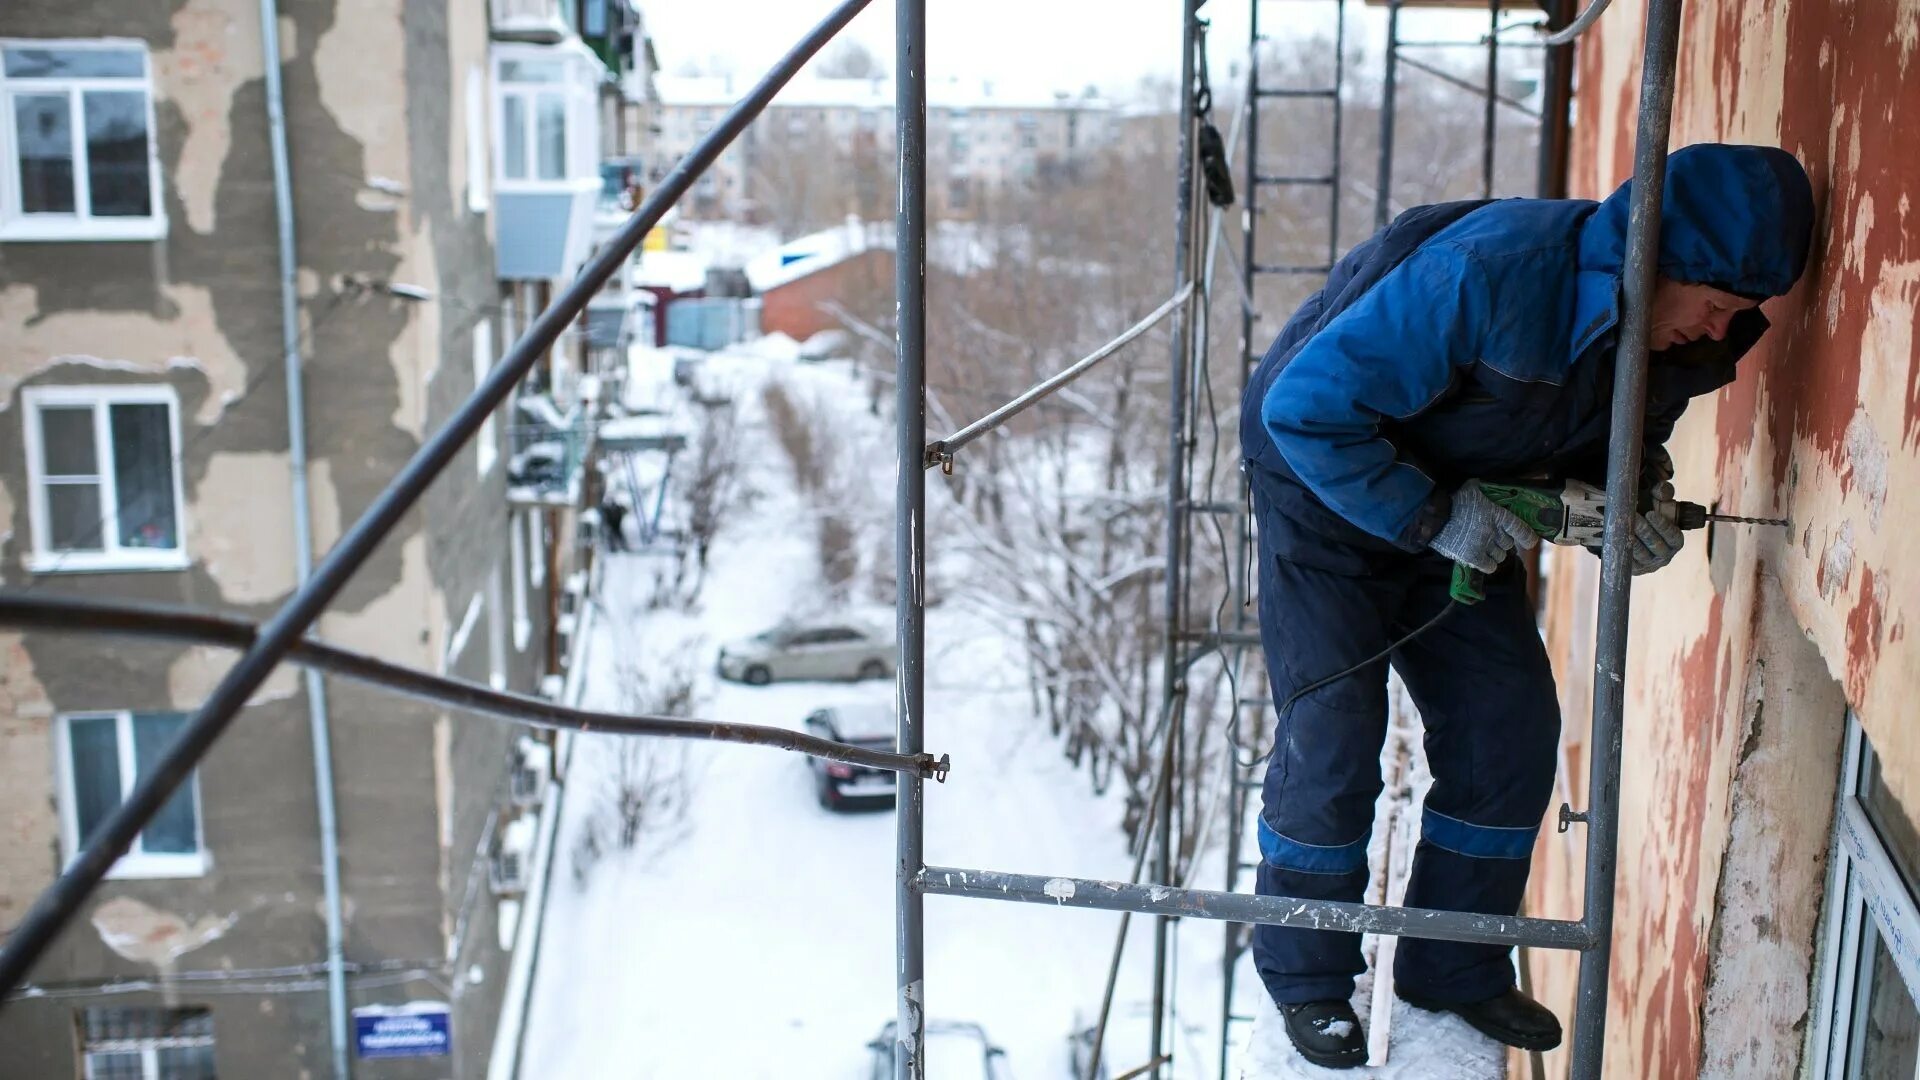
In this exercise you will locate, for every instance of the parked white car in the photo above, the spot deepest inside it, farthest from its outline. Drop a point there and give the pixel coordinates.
(828, 649)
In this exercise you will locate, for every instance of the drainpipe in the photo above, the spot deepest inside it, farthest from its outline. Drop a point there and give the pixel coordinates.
(303, 533)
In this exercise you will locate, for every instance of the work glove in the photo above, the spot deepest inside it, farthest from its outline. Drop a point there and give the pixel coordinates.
(1655, 541)
(1479, 532)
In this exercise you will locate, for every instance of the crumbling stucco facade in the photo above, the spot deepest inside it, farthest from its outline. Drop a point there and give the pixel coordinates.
(378, 129)
(1746, 653)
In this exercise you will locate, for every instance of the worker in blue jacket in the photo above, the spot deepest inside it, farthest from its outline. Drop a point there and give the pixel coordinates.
(1465, 341)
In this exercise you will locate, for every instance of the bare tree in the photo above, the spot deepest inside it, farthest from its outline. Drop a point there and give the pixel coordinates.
(849, 59)
(710, 493)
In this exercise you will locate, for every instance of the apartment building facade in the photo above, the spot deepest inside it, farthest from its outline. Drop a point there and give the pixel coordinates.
(144, 408)
(980, 137)
(1766, 911)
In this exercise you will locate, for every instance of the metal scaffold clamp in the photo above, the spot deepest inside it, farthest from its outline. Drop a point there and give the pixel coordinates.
(936, 769)
(1568, 815)
(938, 453)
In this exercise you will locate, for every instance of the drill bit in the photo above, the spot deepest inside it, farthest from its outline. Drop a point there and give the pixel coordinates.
(1737, 520)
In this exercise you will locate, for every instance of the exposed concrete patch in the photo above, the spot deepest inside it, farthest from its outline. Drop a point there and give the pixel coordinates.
(1771, 884)
(415, 352)
(147, 935)
(29, 343)
(360, 64)
(192, 677)
(1865, 468)
(27, 822)
(213, 55)
(1836, 562)
(246, 543)
(323, 506)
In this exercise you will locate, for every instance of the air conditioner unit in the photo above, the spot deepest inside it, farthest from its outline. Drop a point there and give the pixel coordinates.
(507, 874)
(507, 869)
(527, 781)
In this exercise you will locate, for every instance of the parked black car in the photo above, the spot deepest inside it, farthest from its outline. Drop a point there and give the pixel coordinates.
(838, 784)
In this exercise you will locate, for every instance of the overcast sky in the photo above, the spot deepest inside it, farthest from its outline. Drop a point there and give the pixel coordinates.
(1060, 44)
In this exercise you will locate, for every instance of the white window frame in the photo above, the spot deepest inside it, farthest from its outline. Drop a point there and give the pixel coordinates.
(486, 444)
(135, 863)
(479, 165)
(147, 1047)
(537, 547)
(517, 574)
(46, 559)
(1863, 887)
(81, 225)
(577, 89)
(496, 631)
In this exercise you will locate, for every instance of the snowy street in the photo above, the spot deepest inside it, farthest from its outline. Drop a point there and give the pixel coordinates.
(758, 939)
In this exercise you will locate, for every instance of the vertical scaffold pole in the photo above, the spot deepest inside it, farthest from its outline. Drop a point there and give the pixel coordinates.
(910, 406)
(1623, 469)
(1173, 671)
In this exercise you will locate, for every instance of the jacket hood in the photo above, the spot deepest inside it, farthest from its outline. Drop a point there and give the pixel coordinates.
(1736, 217)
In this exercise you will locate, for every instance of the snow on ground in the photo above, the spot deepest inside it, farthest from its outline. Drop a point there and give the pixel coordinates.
(760, 941)
(756, 939)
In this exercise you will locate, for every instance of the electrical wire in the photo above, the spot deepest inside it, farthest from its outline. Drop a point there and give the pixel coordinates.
(1281, 711)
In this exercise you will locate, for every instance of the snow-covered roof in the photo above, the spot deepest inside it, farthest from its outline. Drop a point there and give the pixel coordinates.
(717, 91)
(681, 271)
(814, 252)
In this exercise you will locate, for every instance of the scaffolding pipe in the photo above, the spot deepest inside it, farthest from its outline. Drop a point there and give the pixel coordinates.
(1623, 472)
(1389, 93)
(1493, 97)
(31, 610)
(1556, 108)
(1430, 923)
(57, 905)
(1580, 25)
(941, 452)
(1454, 80)
(910, 523)
(1172, 669)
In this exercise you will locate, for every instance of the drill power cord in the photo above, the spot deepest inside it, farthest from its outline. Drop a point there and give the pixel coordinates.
(1281, 712)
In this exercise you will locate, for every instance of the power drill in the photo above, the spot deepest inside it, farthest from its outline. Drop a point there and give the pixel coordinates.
(1574, 513)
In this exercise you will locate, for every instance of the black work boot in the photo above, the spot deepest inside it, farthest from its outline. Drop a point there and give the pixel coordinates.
(1509, 1017)
(1327, 1033)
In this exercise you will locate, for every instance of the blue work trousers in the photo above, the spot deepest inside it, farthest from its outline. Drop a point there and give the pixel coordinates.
(1492, 721)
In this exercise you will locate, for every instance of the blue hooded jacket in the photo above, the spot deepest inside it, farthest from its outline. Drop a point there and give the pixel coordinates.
(1476, 340)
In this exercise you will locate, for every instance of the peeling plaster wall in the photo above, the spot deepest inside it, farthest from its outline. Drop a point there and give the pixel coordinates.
(1823, 427)
(375, 93)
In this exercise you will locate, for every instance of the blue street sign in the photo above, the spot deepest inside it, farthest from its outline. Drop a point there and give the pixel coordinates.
(416, 1029)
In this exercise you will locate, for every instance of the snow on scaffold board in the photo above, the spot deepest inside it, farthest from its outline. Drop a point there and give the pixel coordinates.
(1426, 1046)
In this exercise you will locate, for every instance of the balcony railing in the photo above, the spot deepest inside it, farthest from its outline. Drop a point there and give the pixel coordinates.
(529, 20)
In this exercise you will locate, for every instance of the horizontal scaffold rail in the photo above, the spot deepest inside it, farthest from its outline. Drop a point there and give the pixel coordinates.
(941, 452)
(1266, 910)
(31, 611)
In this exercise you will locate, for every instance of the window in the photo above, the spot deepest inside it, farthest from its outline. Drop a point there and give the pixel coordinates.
(146, 1044)
(76, 142)
(101, 756)
(103, 471)
(536, 91)
(517, 554)
(959, 193)
(1870, 978)
(486, 445)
